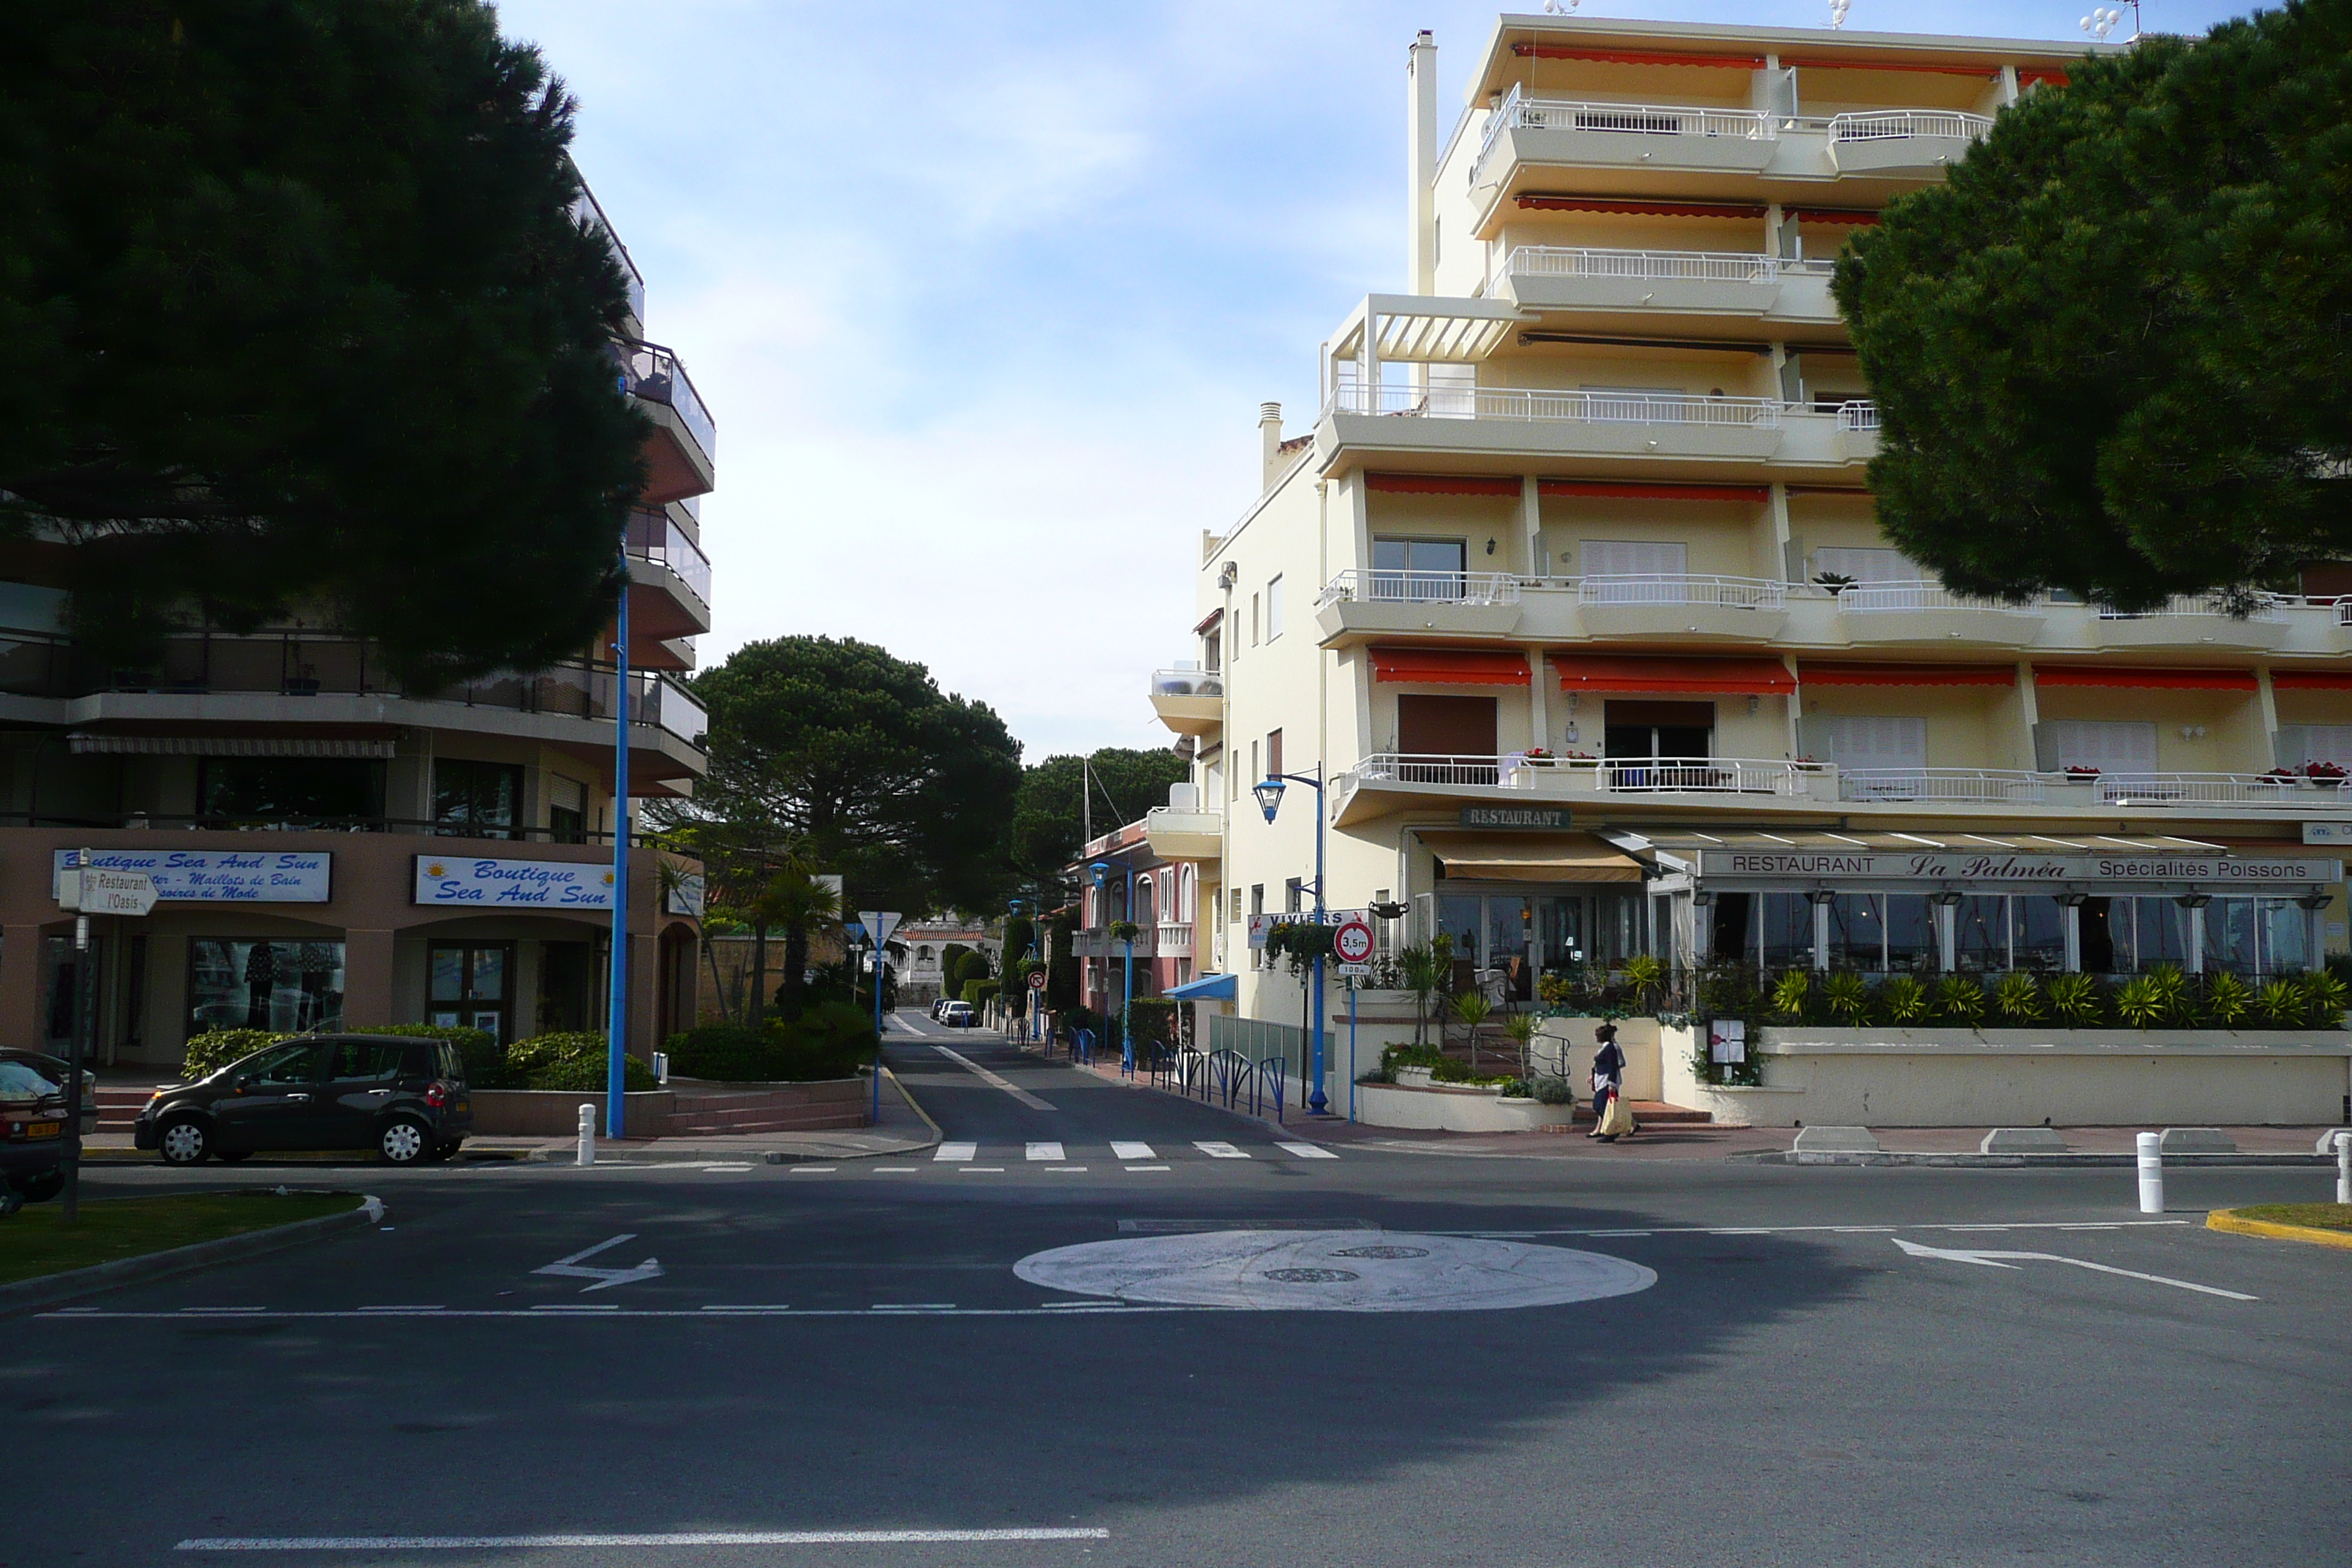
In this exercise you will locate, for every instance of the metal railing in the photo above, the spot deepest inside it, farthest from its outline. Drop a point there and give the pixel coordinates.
(1896, 124)
(1369, 586)
(655, 536)
(1704, 775)
(1705, 266)
(1427, 767)
(655, 373)
(1998, 786)
(2256, 607)
(1859, 413)
(1544, 404)
(1670, 588)
(1877, 599)
(2205, 789)
(1519, 111)
(1187, 683)
(1958, 785)
(587, 210)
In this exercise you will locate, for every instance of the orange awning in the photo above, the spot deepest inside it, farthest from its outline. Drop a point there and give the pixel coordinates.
(1728, 677)
(1628, 57)
(1448, 667)
(1636, 489)
(1441, 485)
(1538, 202)
(1812, 674)
(2144, 677)
(1857, 217)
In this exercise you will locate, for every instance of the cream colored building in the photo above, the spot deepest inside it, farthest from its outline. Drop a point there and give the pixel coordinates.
(1574, 594)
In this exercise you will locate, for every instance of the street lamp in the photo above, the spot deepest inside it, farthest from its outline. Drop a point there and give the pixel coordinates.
(1100, 872)
(1269, 801)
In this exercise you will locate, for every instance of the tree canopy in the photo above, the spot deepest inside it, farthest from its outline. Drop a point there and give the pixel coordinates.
(856, 762)
(1047, 821)
(2110, 352)
(305, 323)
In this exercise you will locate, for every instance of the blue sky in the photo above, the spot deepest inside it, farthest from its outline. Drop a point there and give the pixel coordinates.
(986, 298)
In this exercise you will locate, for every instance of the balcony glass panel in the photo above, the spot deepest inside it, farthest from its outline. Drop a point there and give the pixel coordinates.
(653, 536)
(655, 373)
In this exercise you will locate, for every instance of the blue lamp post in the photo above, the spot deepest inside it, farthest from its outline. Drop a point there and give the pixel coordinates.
(1269, 800)
(1100, 872)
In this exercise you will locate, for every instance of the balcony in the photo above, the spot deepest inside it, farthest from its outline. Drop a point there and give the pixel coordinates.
(1172, 940)
(1097, 943)
(1904, 141)
(1518, 773)
(1745, 609)
(1465, 604)
(1857, 430)
(670, 581)
(590, 215)
(2095, 792)
(1631, 136)
(1721, 283)
(1556, 423)
(680, 455)
(1926, 612)
(1176, 835)
(1189, 701)
(2196, 620)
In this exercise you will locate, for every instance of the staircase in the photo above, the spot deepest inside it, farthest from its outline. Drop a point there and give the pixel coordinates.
(782, 1110)
(119, 1108)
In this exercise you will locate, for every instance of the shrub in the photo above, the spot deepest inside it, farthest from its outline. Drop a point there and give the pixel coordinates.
(2282, 1002)
(1154, 1019)
(978, 993)
(827, 1041)
(2075, 998)
(2138, 1002)
(1960, 999)
(974, 965)
(2018, 999)
(951, 957)
(208, 1053)
(2170, 987)
(575, 1061)
(1792, 993)
(1397, 1057)
(1553, 1091)
(1645, 975)
(484, 1058)
(2324, 993)
(1848, 996)
(1904, 999)
(2228, 999)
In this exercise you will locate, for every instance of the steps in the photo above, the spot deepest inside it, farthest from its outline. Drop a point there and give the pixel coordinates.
(118, 1109)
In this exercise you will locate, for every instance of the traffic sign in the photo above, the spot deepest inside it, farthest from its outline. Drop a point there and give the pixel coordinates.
(91, 891)
(1036, 980)
(879, 923)
(1353, 942)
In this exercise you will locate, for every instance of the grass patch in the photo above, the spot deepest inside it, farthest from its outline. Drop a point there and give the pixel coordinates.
(2318, 1217)
(33, 1244)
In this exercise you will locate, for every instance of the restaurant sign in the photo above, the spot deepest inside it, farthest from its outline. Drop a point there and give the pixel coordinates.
(1553, 817)
(2005, 867)
(219, 876)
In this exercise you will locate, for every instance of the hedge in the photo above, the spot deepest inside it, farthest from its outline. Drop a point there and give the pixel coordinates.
(578, 1062)
(978, 993)
(829, 1040)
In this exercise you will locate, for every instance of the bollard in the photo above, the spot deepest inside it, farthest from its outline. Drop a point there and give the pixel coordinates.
(2344, 1167)
(587, 1136)
(2151, 1173)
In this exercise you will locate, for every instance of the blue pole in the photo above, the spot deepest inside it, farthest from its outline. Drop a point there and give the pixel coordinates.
(616, 1022)
(1352, 1006)
(1126, 1000)
(1317, 1103)
(877, 1120)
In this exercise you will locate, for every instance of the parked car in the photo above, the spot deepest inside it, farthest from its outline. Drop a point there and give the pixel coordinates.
(958, 1015)
(405, 1098)
(54, 1069)
(32, 1132)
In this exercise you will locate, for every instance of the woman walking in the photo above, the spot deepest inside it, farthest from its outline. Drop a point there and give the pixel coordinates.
(1608, 1086)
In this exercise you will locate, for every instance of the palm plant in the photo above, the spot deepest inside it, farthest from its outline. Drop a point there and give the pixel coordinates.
(2075, 998)
(2324, 995)
(1521, 1027)
(1791, 994)
(1471, 1008)
(2170, 987)
(1847, 996)
(1960, 999)
(1645, 975)
(1424, 977)
(2018, 999)
(2139, 1002)
(793, 902)
(2228, 999)
(1904, 999)
(2282, 1002)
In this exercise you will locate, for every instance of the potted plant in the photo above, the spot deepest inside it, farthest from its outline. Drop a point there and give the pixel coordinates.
(2327, 776)
(1537, 757)
(1582, 760)
(2079, 773)
(1835, 582)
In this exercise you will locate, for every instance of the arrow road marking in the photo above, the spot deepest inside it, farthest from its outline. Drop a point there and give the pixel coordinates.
(570, 1267)
(1999, 1261)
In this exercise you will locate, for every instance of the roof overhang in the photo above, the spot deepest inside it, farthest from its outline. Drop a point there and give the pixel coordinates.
(1422, 329)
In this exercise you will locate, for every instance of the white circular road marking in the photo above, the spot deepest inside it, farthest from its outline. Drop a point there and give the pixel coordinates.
(1333, 1271)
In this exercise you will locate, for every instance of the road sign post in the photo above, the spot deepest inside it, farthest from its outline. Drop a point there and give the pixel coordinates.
(83, 891)
(878, 924)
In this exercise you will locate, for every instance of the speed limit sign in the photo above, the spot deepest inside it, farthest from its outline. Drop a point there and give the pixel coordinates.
(1353, 942)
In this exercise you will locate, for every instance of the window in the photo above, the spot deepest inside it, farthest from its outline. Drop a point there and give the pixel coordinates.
(1436, 240)
(1253, 620)
(1292, 891)
(477, 800)
(1257, 898)
(469, 985)
(1632, 558)
(1213, 649)
(1274, 753)
(288, 986)
(1254, 775)
(1273, 609)
(1418, 571)
(289, 789)
(368, 1061)
(1657, 729)
(1869, 566)
(2110, 746)
(567, 810)
(1236, 915)
(1878, 746)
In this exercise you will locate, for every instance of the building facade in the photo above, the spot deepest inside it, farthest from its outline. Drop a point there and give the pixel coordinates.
(1123, 876)
(333, 850)
(1574, 599)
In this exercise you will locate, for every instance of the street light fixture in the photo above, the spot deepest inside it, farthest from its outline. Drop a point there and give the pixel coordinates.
(1100, 872)
(1269, 800)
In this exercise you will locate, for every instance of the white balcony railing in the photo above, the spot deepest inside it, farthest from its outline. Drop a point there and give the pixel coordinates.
(1952, 784)
(1571, 408)
(2205, 789)
(1709, 775)
(1861, 414)
(1520, 113)
(1648, 266)
(2257, 607)
(1361, 585)
(1880, 598)
(1995, 787)
(1663, 588)
(1175, 940)
(1187, 683)
(1894, 124)
(1430, 768)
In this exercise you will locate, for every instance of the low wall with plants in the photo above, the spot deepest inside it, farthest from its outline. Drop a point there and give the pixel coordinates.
(557, 1061)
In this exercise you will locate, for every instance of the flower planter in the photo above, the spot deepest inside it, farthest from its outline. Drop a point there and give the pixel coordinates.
(1443, 1111)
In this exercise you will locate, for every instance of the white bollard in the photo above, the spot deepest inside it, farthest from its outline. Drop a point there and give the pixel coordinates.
(587, 1136)
(2151, 1173)
(2344, 1167)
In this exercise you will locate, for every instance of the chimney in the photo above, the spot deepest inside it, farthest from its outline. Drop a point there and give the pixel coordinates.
(1269, 440)
(1420, 157)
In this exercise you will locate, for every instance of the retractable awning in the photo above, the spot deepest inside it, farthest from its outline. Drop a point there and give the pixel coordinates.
(1632, 206)
(1812, 674)
(84, 745)
(2148, 677)
(2311, 679)
(1448, 667)
(1650, 490)
(1532, 857)
(1208, 988)
(1714, 676)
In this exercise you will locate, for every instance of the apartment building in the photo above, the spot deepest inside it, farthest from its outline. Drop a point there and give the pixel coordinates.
(1135, 875)
(333, 850)
(1574, 601)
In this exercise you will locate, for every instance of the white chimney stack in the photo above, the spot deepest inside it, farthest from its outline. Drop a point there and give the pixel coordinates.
(1420, 157)
(1269, 440)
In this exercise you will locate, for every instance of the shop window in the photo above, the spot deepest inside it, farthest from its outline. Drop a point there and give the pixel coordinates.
(470, 985)
(2256, 936)
(1734, 937)
(291, 789)
(1980, 933)
(1911, 945)
(2282, 933)
(477, 800)
(288, 986)
(2037, 933)
(1784, 930)
(1858, 933)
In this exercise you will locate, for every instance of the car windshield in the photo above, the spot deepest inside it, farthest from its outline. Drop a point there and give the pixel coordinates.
(18, 1081)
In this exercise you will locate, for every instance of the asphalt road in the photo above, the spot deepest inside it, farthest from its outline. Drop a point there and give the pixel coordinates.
(1784, 1375)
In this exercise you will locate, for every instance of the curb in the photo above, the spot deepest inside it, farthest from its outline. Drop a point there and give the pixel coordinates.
(2231, 1220)
(186, 1259)
(2016, 1162)
(786, 1157)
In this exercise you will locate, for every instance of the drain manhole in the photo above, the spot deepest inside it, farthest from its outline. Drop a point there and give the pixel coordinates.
(1309, 1276)
(1382, 1252)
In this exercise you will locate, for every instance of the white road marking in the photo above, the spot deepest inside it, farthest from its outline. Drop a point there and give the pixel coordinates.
(746, 1307)
(396, 1311)
(1047, 1151)
(1147, 1167)
(993, 1080)
(727, 1167)
(1996, 1260)
(1307, 1150)
(592, 1313)
(1822, 1229)
(914, 1306)
(674, 1537)
(1131, 1152)
(575, 1307)
(954, 1152)
(982, 1170)
(892, 1170)
(572, 1268)
(809, 1170)
(1065, 1170)
(1616, 1233)
(224, 1310)
(1218, 1151)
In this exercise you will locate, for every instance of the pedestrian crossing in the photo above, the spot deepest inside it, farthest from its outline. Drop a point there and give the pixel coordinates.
(1132, 1155)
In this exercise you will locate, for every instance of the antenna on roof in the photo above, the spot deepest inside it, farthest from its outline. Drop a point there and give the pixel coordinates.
(1838, 8)
(1559, 8)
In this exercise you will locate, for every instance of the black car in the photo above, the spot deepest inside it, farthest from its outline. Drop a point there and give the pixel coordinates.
(405, 1098)
(54, 1069)
(32, 1133)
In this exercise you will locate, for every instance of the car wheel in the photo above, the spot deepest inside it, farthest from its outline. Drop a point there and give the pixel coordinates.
(40, 1186)
(187, 1141)
(404, 1143)
(231, 1156)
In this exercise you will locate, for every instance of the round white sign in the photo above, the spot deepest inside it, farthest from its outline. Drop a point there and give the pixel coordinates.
(1352, 941)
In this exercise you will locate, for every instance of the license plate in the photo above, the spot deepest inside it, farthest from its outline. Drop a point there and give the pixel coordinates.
(43, 1129)
(461, 1105)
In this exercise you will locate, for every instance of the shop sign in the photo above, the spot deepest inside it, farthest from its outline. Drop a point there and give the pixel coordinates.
(2005, 867)
(1551, 816)
(2327, 833)
(684, 897)
(513, 884)
(219, 876)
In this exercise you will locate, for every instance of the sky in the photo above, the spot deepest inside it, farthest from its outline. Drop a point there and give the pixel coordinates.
(985, 297)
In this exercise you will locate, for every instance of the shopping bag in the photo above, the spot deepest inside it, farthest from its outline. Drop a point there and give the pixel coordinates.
(1617, 1120)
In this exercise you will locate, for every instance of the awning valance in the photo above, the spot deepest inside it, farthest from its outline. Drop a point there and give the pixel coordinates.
(1635, 207)
(2311, 679)
(227, 746)
(1858, 216)
(1207, 988)
(1727, 676)
(1629, 57)
(1441, 485)
(1812, 674)
(1636, 489)
(1448, 667)
(2144, 677)
(1532, 857)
